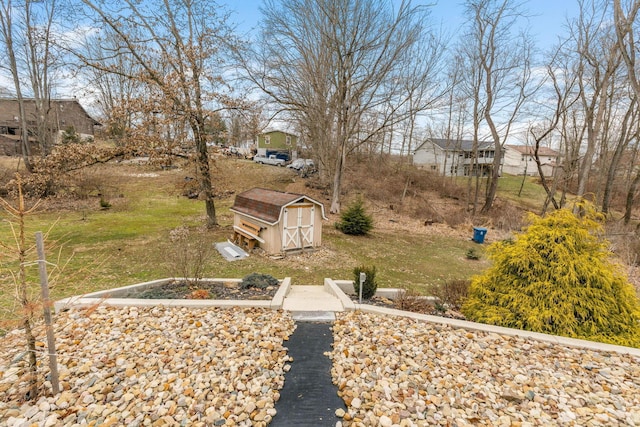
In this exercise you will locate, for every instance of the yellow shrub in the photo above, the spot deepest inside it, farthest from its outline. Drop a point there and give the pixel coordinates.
(557, 278)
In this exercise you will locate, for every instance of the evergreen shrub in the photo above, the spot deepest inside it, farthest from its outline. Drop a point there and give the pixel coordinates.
(258, 281)
(369, 286)
(557, 277)
(355, 220)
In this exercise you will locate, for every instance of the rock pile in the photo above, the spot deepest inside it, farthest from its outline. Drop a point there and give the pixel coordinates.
(394, 371)
(154, 367)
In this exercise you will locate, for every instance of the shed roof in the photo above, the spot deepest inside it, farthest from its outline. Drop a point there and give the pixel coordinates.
(266, 205)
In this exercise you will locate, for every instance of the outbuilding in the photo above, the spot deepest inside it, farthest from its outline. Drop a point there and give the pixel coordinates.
(277, 221)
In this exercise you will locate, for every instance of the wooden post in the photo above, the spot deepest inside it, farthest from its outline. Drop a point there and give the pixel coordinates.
(46, 304)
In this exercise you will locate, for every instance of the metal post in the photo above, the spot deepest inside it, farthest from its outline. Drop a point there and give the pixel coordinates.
(363, 277)
(46, 303)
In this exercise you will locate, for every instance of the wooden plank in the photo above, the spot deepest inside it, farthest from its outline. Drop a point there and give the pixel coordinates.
(247, 233)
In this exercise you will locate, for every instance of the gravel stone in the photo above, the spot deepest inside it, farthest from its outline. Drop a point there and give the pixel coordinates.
(154, 366)
(398, 371)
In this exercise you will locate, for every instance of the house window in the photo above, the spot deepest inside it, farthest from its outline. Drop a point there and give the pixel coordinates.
(267, 139)
(433, 167)
(522, 158)
(288, 140)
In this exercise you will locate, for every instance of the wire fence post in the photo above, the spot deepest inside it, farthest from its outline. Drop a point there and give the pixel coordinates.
(46, 303)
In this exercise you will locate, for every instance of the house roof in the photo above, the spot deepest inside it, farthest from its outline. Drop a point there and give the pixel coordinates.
(457, 144)
(529, 151)
(266, 205)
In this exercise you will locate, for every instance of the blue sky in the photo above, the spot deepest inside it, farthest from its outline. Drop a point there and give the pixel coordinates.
(547, 20)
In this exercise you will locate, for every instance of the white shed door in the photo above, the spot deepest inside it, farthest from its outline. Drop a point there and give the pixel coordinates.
(298, 226)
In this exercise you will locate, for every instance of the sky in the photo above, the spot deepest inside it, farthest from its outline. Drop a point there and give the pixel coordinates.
(547, 21)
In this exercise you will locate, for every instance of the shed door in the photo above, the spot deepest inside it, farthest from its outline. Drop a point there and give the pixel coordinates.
(298, 227)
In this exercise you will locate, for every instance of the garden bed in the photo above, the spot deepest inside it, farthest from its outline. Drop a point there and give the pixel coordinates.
(180, 289)
(172, 292)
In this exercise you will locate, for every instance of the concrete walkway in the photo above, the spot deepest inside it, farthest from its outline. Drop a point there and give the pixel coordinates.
(312, 304)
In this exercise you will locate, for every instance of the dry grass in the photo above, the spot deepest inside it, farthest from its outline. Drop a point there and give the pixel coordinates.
(422, 229)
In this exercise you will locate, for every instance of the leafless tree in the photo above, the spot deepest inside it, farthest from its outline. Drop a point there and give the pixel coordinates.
(39, 18)
(179, 50)
(627, 25)
(598, 60)
(10, 45)
(27, 33)
(334, 65)
(114, 92)
(500, 81)
(562, 95)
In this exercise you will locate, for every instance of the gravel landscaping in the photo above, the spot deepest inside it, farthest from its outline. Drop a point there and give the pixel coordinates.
(154, 366)
(398, 371)
(203, 367)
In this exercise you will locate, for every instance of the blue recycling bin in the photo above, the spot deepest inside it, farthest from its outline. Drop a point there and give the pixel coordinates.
(478, 234)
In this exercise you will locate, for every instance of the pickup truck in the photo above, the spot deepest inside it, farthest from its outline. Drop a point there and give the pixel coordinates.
(271, 160)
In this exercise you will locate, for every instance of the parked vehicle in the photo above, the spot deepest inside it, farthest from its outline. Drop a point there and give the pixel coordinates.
(298, 164)
(271, 160)
(281, 154)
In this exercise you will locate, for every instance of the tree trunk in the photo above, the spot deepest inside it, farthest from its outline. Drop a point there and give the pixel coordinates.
(205, 172)
(7, 30)
(631, 194)
(337, 181)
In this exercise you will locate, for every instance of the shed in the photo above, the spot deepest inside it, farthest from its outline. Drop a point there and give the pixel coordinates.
(287, 221)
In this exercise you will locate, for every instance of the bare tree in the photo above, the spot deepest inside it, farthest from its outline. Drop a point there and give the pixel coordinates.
(32, 58)
(39, 17)
(7, 32)
(501, 81)
(563, 96)
(334, 65)
(598, 61)
(626, 24)
(114, 92)
(178, 48)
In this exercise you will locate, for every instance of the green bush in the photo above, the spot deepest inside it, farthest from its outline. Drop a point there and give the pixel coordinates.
(557, 278)
(258, 281)
(355, 220)
(370, 285)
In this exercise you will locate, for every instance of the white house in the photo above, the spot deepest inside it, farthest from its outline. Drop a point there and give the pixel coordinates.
(455, 157)
(519, 160)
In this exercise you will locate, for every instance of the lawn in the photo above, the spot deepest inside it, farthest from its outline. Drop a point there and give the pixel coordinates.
(90, 248)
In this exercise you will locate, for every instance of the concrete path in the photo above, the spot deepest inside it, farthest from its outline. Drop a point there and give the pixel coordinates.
(311, 303)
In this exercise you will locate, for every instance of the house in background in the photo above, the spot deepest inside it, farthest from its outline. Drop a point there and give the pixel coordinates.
(276, 140)
(65, 115)
(519, 160)
(455, 157)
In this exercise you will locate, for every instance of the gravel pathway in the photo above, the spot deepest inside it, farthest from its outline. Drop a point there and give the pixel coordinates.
(397, 371)
(154, 367)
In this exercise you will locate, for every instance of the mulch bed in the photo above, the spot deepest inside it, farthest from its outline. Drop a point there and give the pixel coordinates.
(205, 290)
